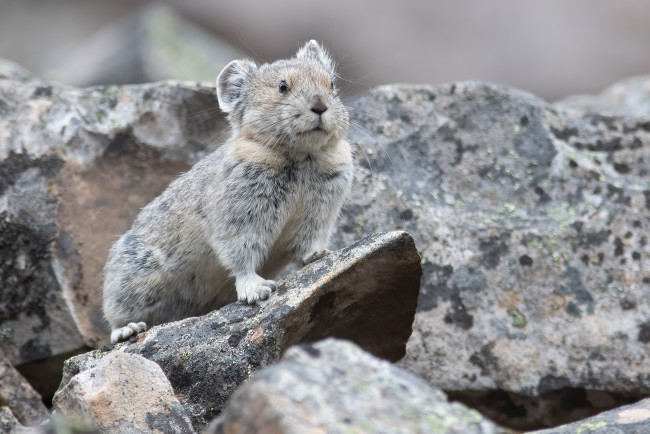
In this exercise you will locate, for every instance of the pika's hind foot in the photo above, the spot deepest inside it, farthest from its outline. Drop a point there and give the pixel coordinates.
(253, 288)
(314, 256)
(124, 333)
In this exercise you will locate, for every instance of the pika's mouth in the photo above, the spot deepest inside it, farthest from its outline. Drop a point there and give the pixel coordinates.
(316, 129)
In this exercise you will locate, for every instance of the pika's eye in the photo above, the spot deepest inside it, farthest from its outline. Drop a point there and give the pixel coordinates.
(283, 87)
(331, 84)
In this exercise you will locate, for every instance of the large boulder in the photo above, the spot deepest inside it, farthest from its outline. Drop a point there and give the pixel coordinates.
(366, 293)
(531, 219)
(76, 165)
(335, 387)
(532, 223)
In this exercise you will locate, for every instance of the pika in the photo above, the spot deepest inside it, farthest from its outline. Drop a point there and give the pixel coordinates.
(269, 195)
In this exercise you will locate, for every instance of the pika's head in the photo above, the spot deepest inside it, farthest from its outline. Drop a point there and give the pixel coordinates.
(290, 103)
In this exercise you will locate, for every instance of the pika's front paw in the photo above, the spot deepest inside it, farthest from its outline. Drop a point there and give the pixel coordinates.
(253, 288)
(314, 256)
(124, 333)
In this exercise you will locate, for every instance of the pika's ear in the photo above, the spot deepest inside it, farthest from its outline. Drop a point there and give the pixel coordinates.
(232, 83)
(313, 51)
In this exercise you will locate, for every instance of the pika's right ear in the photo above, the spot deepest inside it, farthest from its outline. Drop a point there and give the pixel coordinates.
(232, 83)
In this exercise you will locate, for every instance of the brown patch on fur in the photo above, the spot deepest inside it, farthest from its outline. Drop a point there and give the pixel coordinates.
(254, 153)
(333, 157)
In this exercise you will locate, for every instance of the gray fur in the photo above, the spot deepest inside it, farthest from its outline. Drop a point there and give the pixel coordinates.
(232, 84)
(270, 195)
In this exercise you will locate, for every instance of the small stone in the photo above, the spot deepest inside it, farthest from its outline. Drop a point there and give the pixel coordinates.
(123, 393)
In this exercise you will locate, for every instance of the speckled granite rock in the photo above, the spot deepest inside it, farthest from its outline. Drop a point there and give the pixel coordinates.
(76, 165)
(533, 228)
(629, 97)
(631, 419)
(366, 293)
(123, 393)
(335, 387)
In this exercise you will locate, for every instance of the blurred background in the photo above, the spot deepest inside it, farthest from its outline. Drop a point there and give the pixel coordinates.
(551, 48)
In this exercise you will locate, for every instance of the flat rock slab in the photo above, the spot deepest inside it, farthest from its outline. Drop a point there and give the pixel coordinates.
(335, 387)
(533, 225)
(366, 293)
(630, 419)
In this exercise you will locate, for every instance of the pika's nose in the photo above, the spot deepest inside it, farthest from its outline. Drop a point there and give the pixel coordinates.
(318, 104)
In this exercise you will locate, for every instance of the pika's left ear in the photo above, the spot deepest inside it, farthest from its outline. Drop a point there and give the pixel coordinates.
(313, 51)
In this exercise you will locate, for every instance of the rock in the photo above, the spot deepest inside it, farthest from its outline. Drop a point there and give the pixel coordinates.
(18, 397)
(45, 375)
(123, 393)
(532, 224)
(631, 419)
(12, 71)
(630, 97)
(76, 165)
(366, 293)
(532, 221)
(335, 387)
(8, 422)
(151, 43)
(58, 424)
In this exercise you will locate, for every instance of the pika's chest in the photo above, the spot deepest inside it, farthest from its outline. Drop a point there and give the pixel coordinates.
(309, 173)
(309, 183)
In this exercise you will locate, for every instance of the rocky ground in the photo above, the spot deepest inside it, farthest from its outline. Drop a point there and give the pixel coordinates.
(523, 284)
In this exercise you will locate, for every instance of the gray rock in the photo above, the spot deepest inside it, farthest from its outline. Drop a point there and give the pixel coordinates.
(151, 43)
(59, 424)
(532, 222)
(8, 422)
(21, 401)
(366, 293)
(533, 227)
(335, 387)
(123, 393)
(75, 167)
(629, 97)
(631, 419)
(12, 71)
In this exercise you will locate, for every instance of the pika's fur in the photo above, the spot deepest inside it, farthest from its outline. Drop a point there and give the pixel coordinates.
(270, 195)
